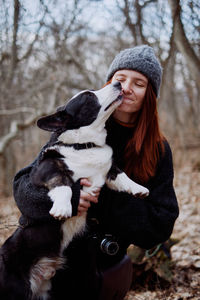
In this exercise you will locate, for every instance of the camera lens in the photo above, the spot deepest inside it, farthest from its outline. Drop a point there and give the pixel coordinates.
(109, 247)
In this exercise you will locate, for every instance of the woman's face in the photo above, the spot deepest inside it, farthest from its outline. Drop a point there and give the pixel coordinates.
(134, 85)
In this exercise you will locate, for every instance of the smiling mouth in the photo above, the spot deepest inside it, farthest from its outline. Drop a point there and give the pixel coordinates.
(128, 99)
(118, 99)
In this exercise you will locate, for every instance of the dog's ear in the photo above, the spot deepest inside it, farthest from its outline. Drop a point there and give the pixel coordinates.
(59, 121)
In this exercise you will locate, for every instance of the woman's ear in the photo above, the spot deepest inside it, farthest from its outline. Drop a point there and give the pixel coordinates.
(55, 122)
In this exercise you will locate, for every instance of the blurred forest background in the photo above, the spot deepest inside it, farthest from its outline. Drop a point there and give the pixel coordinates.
(51, 49)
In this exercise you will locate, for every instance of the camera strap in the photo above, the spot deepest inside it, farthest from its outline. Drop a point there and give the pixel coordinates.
(94, 227)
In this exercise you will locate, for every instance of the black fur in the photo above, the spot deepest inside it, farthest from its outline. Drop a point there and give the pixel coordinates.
(29, 244)
(22, 250)
(52, 171)
(113, 172)
(74, 115)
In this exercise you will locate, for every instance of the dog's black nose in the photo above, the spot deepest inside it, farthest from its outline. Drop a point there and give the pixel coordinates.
(117, 85)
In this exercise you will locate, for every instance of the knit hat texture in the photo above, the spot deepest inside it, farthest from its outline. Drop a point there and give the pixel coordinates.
(141, 59)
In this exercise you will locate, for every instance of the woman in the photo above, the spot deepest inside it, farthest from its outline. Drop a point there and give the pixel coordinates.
(97, 267)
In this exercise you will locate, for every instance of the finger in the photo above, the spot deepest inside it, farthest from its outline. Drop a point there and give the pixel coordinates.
(82, 210)
(85, 181)
(81, 213)
(97, 192)
(88, 197)
(84, 203)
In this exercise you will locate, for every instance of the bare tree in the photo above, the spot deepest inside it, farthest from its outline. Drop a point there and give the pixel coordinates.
(148, 22)
(14, 55)
(133, 13)
(52, 52)
(42, 73)
(182, 43)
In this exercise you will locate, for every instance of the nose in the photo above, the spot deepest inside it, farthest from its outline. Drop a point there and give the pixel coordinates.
(127, 88)
(117, 85)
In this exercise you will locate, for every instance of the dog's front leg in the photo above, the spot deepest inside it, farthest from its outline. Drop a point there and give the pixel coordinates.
(119, 181)
(61, 198)
(55, 175)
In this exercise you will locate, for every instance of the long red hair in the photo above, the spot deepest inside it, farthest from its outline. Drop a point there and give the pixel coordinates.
(144, 148)
(146, 145)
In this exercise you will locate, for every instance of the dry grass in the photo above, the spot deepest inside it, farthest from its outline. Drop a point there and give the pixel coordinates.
(9, 215)
(186, 254)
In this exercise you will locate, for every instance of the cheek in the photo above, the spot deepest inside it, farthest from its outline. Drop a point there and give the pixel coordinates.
(136, 106)
(140, 93)
(129, 108)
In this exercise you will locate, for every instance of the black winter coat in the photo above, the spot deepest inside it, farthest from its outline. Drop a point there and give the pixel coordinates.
(142, 222)
(130, 220)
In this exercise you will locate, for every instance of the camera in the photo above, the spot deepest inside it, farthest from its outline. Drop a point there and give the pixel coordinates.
(109, 245)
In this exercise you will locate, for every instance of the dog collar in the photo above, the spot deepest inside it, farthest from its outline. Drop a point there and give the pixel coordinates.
(77, 146)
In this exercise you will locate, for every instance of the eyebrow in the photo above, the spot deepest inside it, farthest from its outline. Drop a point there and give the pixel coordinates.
(120, 75)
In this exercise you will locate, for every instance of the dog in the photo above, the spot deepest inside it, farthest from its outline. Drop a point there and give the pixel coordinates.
(27, 260)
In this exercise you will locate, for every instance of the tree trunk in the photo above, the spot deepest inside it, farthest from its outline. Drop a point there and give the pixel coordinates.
(182, 42)
(14, 56)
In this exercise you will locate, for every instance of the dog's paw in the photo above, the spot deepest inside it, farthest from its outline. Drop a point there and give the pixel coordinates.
(124, 183)
(61, 197)
(61, 209)
(138, 190)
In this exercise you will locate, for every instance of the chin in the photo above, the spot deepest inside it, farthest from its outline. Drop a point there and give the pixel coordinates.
(125, 108)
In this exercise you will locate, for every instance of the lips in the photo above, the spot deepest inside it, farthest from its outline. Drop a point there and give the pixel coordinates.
(125, 98)
(128, 100)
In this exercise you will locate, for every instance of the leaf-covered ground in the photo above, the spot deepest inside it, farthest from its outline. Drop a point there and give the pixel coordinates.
(150, 277)
(9, 215)
(185, 262)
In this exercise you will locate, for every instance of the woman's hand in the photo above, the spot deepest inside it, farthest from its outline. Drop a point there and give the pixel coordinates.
(86, 198)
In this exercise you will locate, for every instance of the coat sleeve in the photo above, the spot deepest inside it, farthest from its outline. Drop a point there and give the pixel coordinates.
(143, 222)
(33, 201)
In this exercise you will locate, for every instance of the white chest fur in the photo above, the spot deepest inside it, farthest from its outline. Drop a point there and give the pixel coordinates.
(93, 163)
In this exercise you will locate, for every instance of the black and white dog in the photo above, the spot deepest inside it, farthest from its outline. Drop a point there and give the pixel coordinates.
(27, 262)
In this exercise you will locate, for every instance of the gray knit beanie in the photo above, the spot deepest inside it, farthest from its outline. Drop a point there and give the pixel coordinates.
(141, 59)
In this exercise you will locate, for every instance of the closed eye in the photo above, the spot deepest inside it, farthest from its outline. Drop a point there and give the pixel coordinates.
(140, 84)
(120, 79)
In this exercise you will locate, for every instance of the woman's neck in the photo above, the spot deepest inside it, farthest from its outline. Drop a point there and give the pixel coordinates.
(125, 117)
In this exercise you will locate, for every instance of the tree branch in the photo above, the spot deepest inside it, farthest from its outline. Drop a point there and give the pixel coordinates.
(8, 112)
(17, 126)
